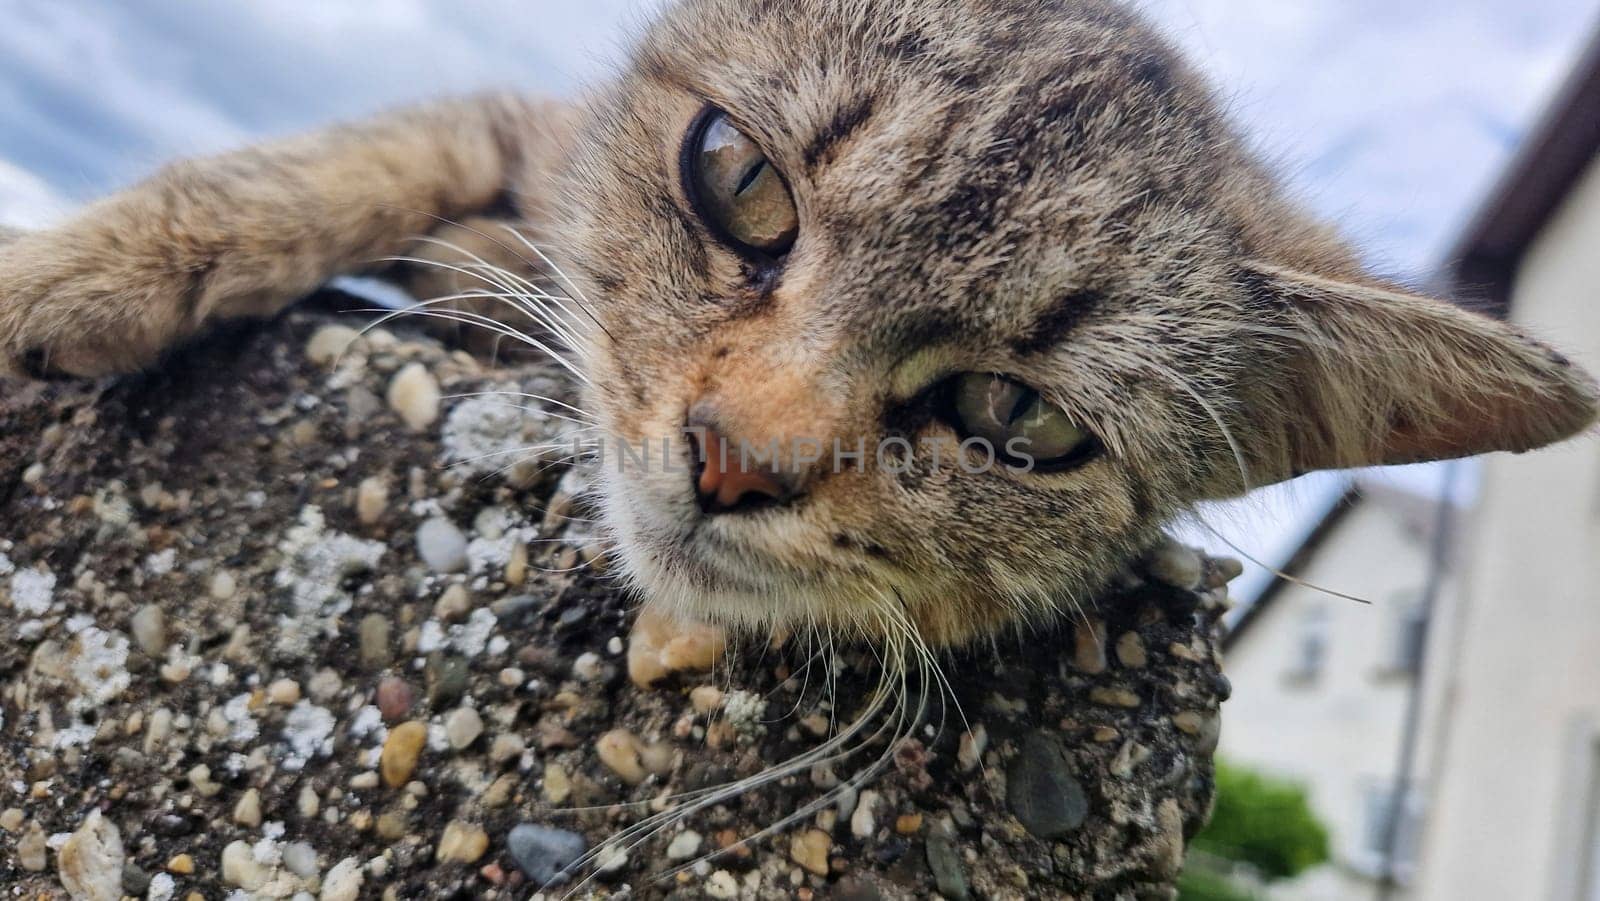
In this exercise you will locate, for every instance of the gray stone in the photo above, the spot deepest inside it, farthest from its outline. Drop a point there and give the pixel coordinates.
(1041, 790)
(515, 608)
(448, 675)
(134, 880)
(374, 641)
(543, 854)
(945, 862)
(442, 546)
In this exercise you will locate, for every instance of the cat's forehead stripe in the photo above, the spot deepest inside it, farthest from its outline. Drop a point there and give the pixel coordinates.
(845, 123)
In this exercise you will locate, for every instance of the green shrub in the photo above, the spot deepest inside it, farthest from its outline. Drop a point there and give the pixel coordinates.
(1200, 884)
(1264, 822)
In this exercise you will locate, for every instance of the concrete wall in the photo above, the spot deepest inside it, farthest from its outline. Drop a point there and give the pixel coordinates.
(1514, 691)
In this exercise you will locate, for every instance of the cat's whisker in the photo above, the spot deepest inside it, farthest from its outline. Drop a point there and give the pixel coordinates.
(537, 412)
(894, 673)
(539, 397)
(530, 448)
(493, 325)
(1216, 418)
(523, 293)
(445, 220)
(573, 291)
(645, 830)
(520, 293)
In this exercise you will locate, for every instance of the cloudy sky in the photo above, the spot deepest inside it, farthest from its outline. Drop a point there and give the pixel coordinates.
(1391, 116)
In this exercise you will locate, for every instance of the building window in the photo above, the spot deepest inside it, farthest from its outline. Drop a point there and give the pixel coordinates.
(1310, 650)
(1381, 804)
(1407, 627)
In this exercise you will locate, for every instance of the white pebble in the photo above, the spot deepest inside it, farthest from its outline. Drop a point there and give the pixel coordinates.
(441, 545)
(329, 343)
(149, 627)
(462, 727)
(372, 498)
(587, 666)
(414, 395)
(684, 845)
(343, 882)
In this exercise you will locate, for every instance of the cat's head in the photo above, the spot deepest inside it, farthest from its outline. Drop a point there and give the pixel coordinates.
(878, 223)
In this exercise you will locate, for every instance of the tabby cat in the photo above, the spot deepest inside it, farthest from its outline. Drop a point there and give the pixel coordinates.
(1018, 229)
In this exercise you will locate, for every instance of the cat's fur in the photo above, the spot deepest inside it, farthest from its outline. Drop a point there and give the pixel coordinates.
(1036, 188)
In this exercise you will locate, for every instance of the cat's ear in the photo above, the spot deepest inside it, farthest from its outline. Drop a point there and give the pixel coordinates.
(1379, 375)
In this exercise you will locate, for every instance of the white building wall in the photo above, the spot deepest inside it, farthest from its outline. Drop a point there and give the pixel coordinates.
(1514, 696)
(1337, 730)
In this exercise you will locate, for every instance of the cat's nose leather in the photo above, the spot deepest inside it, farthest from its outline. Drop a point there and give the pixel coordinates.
(729, 483)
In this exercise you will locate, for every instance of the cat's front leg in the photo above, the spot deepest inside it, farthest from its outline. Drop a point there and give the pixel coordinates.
(246, 233)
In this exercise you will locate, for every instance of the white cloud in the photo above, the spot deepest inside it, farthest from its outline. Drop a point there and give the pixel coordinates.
(1391, 118)
(25, 200)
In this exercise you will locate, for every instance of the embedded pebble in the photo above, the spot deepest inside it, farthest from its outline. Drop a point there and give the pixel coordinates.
(400, 752)
(441, 545)
(372, 499)
(1041, 791)
(557, 785)
(454, 604)
(722, 885)
(462, 727)
(945, 863)
(223, 585)
(329, 342)
(31, 848)
(240, 868)
(659, 646)
(969, 751)
(1176, 565)
(373, 638)
(181, 864)
(505, 747)
(1130, 650)
(343, 882)
(448, 675)
(394, 698)
(543, 853)
(705, 699)
(1114, 697)
(284, 692)
(301, 859)
(149, 628)
(684, 845)
(863, 822)
(414, 395)
(90, 863)
(619, 751)
(588, 667)
(247, 812)
(461, 843)
(810, 849)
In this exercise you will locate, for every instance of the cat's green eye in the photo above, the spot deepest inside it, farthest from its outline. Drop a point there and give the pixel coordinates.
(736, 189)
(1016, 421)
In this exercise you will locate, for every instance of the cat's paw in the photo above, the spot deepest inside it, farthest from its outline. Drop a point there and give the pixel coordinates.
(71, 311)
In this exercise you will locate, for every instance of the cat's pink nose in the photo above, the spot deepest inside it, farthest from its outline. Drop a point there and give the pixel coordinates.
(728, 482)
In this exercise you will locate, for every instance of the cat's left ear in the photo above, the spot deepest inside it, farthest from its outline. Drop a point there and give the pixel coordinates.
(1379, 375)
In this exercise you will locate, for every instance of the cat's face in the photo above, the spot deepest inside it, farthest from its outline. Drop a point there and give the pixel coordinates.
(885, 224)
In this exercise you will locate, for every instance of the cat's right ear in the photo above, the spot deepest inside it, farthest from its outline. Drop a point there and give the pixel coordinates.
(1379, 375)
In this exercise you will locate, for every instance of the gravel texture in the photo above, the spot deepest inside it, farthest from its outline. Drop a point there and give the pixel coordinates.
(261, 639)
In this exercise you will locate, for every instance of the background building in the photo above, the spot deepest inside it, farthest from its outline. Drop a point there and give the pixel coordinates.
(1480, 724)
